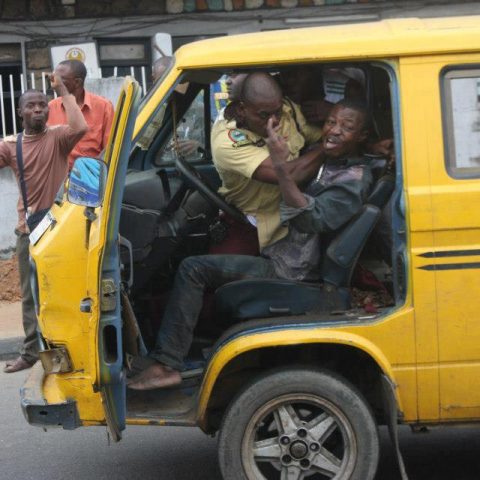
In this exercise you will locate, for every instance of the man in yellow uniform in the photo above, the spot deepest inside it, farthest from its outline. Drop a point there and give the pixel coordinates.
(241, 156)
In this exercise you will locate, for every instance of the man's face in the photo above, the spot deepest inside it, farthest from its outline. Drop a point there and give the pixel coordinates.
(254, 115)
(34, 111)
(68, 78)
(234, 85)
(343, 131)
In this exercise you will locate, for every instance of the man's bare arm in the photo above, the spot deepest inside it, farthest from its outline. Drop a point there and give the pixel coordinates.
(278, 148)
(301, 169)
(74, 115)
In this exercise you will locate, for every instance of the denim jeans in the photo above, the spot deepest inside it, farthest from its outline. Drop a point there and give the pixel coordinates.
(194, 276)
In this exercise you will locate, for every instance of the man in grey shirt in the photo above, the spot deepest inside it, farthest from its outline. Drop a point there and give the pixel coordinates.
(332, 198)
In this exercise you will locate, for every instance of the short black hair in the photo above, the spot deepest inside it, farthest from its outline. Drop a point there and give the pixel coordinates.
(28, 92)
(77, 67)
(360, 106)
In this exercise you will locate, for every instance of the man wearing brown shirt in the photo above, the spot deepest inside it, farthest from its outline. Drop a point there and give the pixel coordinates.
(45, 166)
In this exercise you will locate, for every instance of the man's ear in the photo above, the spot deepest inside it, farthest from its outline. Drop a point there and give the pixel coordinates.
(240, 109)
(19, 112)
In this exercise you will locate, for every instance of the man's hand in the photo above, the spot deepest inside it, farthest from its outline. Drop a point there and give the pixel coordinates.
(382, 147)
(277, 146)
(385, 148)
(57, 84)
(187, 147)
(279, 153)
(279, 163)
(75, 118)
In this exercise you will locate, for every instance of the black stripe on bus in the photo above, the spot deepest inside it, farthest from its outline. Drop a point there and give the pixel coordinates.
(451, 266)
(450, 253)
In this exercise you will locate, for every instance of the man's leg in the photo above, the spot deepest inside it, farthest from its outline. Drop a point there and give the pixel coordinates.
(193, 277)
(29, 349)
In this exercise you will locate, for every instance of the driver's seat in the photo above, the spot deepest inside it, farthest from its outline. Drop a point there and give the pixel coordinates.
(260, 298)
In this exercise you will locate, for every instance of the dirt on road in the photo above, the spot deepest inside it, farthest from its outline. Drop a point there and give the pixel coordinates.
(9, 280)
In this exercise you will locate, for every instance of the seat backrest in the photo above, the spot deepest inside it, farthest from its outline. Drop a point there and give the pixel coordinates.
(382, 191)
(344, 249)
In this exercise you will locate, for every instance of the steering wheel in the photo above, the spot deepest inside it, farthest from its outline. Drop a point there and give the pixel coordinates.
(202, 186)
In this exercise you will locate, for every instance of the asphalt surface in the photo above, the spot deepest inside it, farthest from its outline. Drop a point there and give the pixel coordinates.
(146, 453)
(9, 347)
(11, 330)
(155, 453)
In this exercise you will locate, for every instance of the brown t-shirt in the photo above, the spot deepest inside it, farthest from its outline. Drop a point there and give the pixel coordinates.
(44, 166)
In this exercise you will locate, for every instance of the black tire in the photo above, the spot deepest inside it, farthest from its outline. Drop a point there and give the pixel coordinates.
(298, 421)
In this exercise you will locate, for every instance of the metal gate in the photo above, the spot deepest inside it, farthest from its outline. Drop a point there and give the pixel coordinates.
(9, 96)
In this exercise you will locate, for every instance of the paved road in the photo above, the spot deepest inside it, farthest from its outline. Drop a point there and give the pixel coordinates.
(150, 453)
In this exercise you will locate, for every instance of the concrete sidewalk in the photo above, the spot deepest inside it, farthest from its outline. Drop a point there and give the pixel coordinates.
(11, 329)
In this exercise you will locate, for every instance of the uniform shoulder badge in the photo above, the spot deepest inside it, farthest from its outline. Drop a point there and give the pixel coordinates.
(236, 135)
(238, 138)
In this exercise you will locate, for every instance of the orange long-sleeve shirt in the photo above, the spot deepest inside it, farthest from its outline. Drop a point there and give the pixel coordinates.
(98, 113)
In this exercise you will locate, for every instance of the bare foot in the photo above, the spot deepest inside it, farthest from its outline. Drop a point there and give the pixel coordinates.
(17, 365)
(155, 376)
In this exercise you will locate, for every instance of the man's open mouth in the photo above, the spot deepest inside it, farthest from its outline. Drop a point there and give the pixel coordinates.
(331, 142)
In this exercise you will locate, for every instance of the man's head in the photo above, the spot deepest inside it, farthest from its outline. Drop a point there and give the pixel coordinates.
(160, 66)
(260, 99)
(73, 74)
(33, 110)
(345, 128)
(234, 84)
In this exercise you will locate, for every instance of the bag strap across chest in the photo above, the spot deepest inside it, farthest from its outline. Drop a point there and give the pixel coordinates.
(23, 187)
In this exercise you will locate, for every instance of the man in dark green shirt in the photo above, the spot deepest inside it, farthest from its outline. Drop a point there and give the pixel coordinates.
(331, 199)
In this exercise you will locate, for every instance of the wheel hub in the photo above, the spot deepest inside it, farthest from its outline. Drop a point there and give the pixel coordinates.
(298, 449)
(306, 443)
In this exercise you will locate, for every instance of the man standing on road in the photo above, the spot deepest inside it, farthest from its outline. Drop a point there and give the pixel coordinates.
(44, 151)
(97, 111)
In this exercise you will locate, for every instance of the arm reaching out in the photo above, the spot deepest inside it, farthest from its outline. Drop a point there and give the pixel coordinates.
(279, 153)
(301, 169)
(75, 118)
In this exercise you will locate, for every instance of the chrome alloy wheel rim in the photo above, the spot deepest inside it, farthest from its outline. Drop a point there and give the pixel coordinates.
(299, 436)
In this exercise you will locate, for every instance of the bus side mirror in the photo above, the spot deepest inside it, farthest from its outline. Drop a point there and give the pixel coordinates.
(87, 181)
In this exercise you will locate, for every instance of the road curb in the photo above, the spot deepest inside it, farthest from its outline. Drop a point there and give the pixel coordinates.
(9, 347)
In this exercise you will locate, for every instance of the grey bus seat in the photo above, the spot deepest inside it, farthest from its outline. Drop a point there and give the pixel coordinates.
(261, 298)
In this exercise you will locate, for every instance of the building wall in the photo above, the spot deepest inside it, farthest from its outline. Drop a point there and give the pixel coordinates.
(182, 6)
(8, 210)
(55, 9)
(95, 19)
(41, 9)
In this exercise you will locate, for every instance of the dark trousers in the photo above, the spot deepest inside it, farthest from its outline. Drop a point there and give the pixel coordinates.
(29, 349)
(194, 276)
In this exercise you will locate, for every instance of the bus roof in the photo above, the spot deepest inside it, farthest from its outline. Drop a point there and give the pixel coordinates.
(386, 38)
